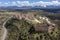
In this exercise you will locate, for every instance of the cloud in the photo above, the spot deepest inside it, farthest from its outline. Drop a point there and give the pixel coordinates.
(23, 3)
(0, 2)
(6, 3)
(44, 4)
(27, 3)
(14, 3)
(39, 3)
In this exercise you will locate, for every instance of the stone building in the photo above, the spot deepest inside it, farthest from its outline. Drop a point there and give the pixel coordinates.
(43, 27)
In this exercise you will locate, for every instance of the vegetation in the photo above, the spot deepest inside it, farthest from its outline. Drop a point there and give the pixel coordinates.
(22, 30)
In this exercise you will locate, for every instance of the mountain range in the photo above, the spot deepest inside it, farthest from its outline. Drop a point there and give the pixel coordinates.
(50, 8)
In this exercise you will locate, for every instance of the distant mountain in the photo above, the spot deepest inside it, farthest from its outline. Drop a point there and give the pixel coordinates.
(29, 7)
(47, 8)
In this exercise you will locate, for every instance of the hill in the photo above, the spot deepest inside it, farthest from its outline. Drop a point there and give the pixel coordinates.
(29, 27)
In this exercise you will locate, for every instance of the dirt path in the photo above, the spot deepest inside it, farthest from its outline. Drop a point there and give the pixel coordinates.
(5, 30)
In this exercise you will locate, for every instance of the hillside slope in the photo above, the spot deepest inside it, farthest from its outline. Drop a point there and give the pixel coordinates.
(26, 27)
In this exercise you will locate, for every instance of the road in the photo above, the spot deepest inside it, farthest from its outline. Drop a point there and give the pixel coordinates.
(5, 30)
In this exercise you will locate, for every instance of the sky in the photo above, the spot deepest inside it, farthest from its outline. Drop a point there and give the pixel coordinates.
(21, 3)
(25, 0)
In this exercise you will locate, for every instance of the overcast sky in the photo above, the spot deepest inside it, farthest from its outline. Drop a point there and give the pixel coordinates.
(29, 2)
